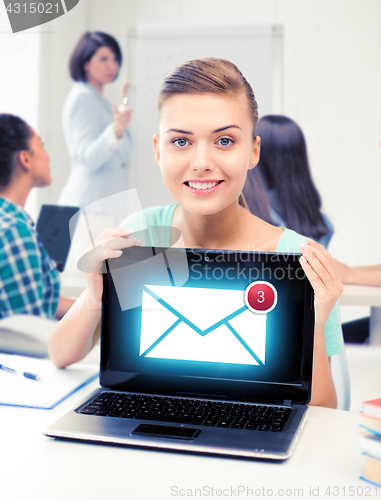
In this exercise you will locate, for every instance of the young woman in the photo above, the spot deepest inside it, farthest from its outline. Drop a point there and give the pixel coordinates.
(206, 144)
(294, 200)
(29, 281)
(95, 131)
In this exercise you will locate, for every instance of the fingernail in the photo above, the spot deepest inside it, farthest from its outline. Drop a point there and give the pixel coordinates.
(302, 259)
(139, 242)
(118, 253)
(304, 247)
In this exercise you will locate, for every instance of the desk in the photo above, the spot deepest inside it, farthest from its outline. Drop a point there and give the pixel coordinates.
(34, 467)
(356, 295)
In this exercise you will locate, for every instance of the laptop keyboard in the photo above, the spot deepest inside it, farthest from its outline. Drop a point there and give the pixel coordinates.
(188, 411)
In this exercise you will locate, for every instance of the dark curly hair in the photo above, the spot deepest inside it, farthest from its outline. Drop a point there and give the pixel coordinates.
(15, 135)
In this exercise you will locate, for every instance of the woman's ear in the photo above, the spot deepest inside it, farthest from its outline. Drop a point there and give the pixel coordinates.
(156, 148)
(255, 153)
(24, 160)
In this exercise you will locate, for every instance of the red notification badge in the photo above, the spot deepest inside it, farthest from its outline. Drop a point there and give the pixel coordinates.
(261, 297)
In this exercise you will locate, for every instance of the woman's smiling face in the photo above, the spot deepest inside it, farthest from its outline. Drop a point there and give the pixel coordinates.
(204, 149)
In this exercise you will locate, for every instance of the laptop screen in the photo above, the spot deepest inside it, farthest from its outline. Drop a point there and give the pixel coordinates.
(222, 317)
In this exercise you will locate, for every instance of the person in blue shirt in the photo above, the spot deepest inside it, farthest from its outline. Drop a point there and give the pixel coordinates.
(206, 144)
(29, 281)
(95, 131)
(294, 200)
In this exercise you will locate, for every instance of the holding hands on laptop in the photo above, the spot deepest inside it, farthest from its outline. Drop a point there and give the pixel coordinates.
(79, 330)
(108, 246)
(206, 144)
(319, 266)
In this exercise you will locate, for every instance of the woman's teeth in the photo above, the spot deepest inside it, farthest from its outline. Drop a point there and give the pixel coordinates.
(202, 185)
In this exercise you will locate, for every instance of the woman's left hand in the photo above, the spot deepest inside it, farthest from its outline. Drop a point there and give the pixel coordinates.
(319, 266)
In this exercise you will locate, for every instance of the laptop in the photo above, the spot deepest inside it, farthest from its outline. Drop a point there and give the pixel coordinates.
(53, 229)
(206, 351)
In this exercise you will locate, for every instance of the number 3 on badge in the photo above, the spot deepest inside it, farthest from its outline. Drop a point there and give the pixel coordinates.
(261, 297)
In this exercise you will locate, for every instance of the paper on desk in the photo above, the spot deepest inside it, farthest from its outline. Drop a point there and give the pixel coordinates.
(25, 334)
(55, 385)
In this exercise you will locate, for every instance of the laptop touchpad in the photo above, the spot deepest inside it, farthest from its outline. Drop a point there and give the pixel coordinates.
(167, 431)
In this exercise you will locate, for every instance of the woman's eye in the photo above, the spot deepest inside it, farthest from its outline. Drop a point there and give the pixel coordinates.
(180, 142)
(225, 141)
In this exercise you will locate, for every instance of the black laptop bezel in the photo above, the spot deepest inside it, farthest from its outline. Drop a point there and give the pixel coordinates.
(232, 390)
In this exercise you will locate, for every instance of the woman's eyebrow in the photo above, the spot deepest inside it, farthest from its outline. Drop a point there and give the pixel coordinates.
(179, 131)
(224, 128)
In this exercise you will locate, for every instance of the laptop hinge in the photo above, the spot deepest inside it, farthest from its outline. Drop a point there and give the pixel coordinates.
(287, 402)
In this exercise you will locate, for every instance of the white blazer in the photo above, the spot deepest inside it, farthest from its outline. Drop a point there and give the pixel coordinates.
(98, 157)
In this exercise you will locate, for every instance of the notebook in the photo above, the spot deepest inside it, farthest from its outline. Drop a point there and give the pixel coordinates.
(36, 383)
(206, 351)
(53, 229)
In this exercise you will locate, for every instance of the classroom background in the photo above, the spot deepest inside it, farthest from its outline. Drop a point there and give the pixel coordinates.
(331, 71)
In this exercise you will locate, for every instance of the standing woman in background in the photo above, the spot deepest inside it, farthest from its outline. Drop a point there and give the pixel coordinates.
(294, 200)
(95, 130)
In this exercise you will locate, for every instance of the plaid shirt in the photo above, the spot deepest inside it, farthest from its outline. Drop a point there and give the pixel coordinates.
(29, 281)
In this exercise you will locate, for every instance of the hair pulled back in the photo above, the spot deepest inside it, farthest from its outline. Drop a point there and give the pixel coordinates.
(15, 135)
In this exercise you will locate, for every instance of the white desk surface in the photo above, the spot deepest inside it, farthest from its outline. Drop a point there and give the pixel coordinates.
(33, 466)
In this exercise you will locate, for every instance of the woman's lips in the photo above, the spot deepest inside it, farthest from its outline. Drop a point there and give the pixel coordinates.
(200, 191)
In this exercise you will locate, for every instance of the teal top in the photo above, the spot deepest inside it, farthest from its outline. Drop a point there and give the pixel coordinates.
(289, 242)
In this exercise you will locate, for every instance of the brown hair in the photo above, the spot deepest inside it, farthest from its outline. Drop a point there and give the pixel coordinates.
(210, 74)
(213, 75)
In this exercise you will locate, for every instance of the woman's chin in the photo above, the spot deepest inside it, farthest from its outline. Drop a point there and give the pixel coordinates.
(206, 208)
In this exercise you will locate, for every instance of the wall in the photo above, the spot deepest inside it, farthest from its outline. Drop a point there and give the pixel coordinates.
(19, 77)
(332, 77)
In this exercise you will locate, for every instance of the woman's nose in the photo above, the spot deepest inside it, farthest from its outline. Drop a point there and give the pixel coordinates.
(113, 65)
(201, 159)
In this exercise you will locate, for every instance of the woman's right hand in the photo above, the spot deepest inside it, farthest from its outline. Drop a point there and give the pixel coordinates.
(121, 120)
(109, 245)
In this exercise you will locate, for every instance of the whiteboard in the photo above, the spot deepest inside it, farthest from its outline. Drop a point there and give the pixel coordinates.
(154, 50)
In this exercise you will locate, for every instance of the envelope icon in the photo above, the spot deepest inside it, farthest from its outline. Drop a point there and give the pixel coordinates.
(201, 324)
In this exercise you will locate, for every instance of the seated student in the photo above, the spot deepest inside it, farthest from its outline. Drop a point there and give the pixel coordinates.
(206, 144)
(294, 200)
(359, 275)
(28, 277)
